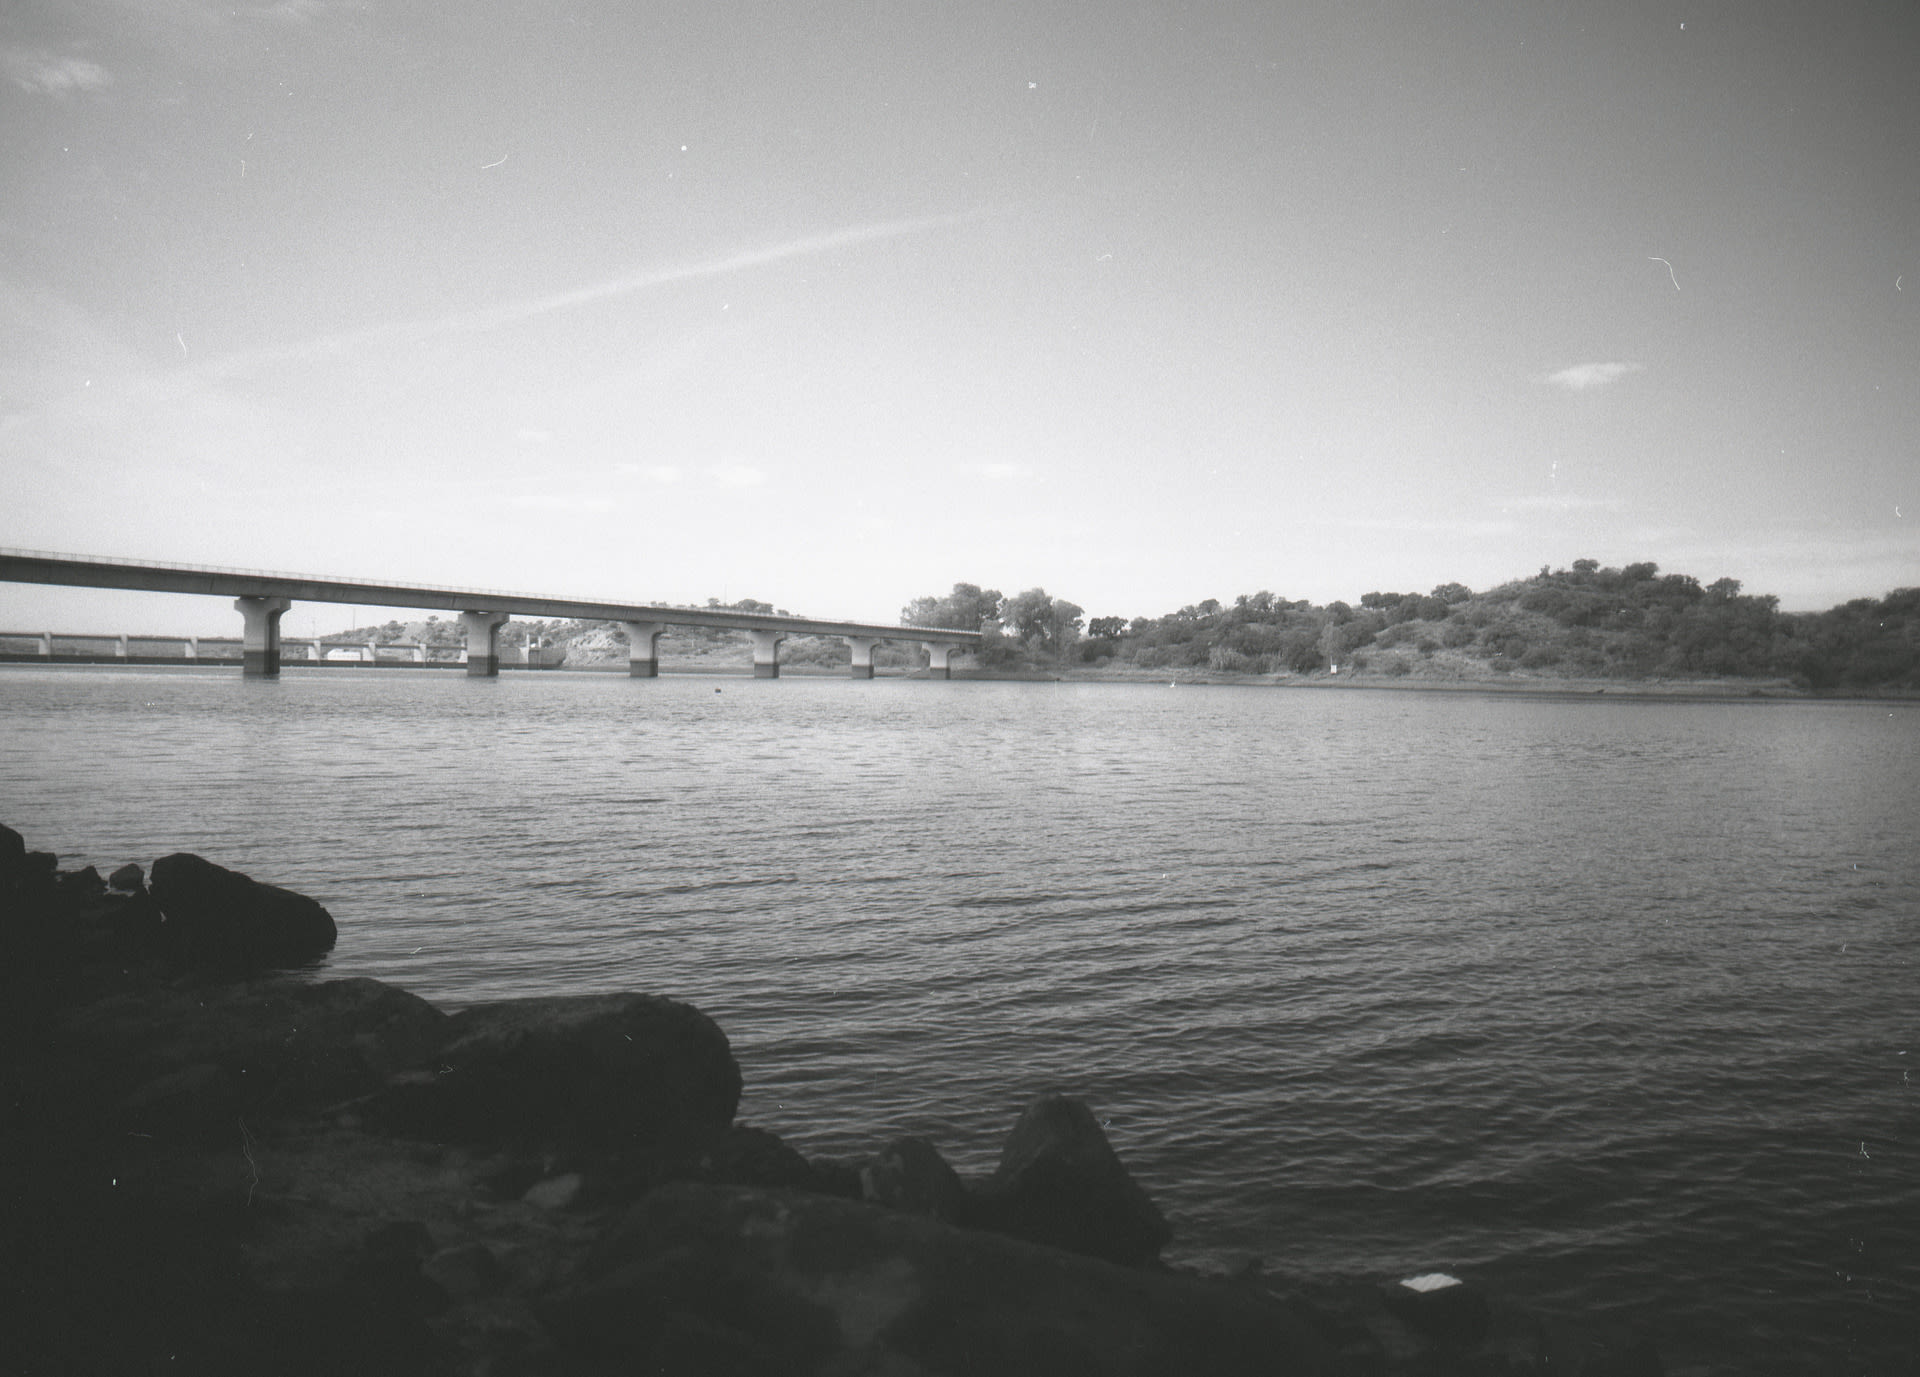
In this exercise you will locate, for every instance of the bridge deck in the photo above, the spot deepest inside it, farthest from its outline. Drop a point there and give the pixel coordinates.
(96, 571)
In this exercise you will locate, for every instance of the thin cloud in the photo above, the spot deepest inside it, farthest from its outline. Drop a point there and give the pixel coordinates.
(563, 503)
(1583, 377)
(1549, 502)
(736, 475)
(41, 73)
(1387, 525)
(653, 473)
(494, 317)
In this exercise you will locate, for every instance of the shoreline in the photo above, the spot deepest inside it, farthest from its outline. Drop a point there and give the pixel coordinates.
(262, 1164)
(1517, 686)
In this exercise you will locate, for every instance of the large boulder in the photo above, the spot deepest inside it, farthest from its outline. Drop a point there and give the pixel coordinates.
(220, 920)
(1059, 1182)
(277, 1046)
(724, 1280)
(25, 876)
(629, 1074)
(910, 1174)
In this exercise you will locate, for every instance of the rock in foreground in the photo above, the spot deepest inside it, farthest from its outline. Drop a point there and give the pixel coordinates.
(1060, 1183)
(728, 1280)
(220, 920)
(619, 1071)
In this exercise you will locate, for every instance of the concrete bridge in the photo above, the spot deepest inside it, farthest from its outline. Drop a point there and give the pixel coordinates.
(84, 647)
(261, 598)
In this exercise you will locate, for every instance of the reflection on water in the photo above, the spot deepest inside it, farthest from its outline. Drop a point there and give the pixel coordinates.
(1597, 1000)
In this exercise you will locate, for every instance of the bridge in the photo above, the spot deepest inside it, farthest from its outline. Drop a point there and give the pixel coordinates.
(262, 597)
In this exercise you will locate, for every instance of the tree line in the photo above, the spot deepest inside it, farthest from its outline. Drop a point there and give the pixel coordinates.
(1582, 621)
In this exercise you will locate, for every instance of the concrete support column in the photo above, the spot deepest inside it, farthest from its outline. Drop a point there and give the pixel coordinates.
(193, 648)
(862, 648)
(260, 635)
(370, 652)
(120, 647)
(766, 653)
(483, 642)
(46, 644)
(419, 654)
(939, 653)
(643, 648)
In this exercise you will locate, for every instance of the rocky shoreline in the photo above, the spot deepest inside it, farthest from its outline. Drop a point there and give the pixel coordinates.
(216, 1162)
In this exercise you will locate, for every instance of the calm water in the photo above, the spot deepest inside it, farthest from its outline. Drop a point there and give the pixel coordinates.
(1613, 1005)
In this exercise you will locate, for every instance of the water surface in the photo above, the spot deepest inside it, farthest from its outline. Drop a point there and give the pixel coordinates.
(1610, 1004)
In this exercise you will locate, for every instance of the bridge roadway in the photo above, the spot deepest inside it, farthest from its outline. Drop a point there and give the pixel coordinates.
(261, 598)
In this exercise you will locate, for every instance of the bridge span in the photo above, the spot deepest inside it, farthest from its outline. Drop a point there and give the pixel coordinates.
(262, 598)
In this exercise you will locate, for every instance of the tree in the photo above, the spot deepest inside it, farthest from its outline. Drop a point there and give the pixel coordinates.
(1041, 622)
(966, 608)
(1106, 628)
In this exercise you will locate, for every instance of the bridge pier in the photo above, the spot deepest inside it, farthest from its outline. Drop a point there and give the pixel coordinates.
(483, 642)
(862, 655)
(939, 654)
(643, 648)
(766, 653)
(260, 635)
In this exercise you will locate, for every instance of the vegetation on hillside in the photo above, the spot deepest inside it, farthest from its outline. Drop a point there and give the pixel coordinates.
(1582, 622)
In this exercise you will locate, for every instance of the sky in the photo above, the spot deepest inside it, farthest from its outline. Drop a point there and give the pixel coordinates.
(835, 305)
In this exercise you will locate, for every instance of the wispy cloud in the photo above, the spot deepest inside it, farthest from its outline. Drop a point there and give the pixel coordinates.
(39, 72)
(1583, 377)
(626, 284)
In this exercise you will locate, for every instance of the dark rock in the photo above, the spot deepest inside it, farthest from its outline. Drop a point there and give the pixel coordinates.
(1441, 1308)
(836, 1176)
(190, 1101)
(910, 1174)
(1060, 1183)
(13, 852)
(464, 1270)
(128, 879)
(748, 1156)
(622, 1072)
(555, 1192)
(278, 1046)
(715, 1279)
(403, 1243)
(220, 920)
(81, 885)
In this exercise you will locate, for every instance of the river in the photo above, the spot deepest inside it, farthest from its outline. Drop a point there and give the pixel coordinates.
(1608, 1004)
